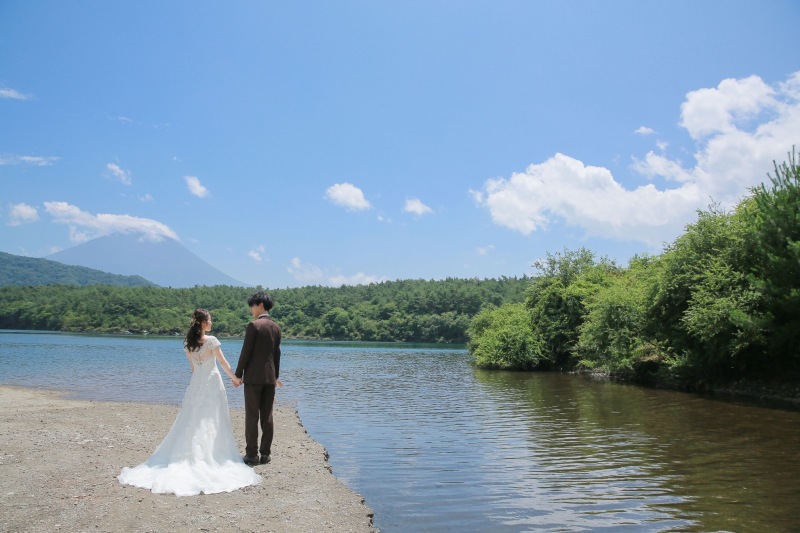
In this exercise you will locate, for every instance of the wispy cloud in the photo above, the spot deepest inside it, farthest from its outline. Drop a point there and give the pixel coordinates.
(33, 160)
(356, 279)
(740, 128)
(484, 250)
(310, 274)
(6, 92)
(257, 254)
(84, 226)
(195, 187)
(305, 273)
(644, 130)
(415, 206)
(22, 213)
(118, 173)
(348, 196)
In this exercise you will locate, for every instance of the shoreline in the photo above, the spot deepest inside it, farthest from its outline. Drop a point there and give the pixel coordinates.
(59, 461)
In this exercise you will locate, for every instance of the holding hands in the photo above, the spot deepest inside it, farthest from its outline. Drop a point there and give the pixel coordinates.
(238, 381)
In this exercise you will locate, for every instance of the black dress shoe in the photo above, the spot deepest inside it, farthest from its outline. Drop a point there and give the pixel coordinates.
(265, 459)
(251, 461)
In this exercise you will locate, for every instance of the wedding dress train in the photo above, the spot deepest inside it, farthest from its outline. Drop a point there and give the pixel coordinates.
(199, 454)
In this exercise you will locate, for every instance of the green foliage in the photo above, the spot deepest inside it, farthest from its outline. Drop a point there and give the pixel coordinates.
(705, 307)
(502, 337)
(775, 220)
(612, 338)
(20, 270)
(557, 298)
(405, 311)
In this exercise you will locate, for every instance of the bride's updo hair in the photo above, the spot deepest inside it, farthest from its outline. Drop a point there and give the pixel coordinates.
(195, 332)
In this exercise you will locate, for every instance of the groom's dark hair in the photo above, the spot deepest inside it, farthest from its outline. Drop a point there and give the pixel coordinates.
(261, 298)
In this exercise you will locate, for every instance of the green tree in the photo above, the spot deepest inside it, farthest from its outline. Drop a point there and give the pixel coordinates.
(502, 337)
(557, 297)
(775, 218)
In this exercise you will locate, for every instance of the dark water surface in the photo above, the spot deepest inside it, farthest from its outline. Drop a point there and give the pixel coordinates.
(435, 445)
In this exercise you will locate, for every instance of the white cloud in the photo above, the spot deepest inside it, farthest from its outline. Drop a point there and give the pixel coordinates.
(415, 205)
(257, 254)
(305, 273)
(644, 130)
(5, 92)
(484, 250)
(22, 213)
(84, 226)
(356, 279)
(741, 127)
(347, 195)
(33, 160)
(145, 197)
(309, 274)
(195, 187)
(119, 173)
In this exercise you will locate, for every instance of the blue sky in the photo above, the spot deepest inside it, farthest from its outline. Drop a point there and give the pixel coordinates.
(298, 143)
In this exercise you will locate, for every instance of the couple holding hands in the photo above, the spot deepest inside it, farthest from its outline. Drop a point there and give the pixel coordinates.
(199, 454)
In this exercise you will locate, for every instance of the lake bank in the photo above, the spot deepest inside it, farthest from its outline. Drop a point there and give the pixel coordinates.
(59, 460)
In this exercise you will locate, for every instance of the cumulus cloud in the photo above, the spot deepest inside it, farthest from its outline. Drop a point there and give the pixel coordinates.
(118, 173)
(257, 254)
(644, 130)
(6, 92)
(740, 128)
(195, 187)
(348, 196)
(84, 226)
(313, 275)
(32, 160)
(415, 206)
(22, 213)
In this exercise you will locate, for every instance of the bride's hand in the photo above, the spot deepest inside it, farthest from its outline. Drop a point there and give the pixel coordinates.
(279, 383)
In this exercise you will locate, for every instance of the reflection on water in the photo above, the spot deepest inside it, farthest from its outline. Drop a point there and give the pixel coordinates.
(434, 444)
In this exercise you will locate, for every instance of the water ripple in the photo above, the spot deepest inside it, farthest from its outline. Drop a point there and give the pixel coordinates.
(436, 445)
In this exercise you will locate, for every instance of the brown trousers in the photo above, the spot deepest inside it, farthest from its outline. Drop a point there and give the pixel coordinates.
(258, 405)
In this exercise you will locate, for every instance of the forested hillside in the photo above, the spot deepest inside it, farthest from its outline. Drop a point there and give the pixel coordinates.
(404, 311)
(20, 270)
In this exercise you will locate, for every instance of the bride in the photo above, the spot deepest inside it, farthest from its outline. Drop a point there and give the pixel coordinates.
(199, 454)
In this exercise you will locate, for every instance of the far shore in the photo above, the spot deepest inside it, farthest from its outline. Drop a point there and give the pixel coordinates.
(59, 461)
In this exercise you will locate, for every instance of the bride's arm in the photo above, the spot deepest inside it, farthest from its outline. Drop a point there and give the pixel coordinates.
(224, 363)
(189, 357)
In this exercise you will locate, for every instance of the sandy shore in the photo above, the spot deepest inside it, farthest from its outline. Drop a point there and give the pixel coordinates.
(59, 460)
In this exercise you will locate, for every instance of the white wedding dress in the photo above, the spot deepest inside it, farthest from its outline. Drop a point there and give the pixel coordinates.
(199, 454)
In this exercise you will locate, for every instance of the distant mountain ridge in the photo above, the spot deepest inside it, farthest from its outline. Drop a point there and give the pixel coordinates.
(167, 262)
(29, 271)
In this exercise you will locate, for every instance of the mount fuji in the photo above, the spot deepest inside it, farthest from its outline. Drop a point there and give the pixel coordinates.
(166, 263)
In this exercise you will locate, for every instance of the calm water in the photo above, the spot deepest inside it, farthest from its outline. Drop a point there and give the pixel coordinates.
(435, 445)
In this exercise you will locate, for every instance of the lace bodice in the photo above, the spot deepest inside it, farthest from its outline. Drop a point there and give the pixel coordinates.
(206, 351)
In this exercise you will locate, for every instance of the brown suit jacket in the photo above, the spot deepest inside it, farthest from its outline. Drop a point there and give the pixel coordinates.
(260, 359)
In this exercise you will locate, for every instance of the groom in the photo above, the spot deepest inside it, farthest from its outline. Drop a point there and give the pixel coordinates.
(258, 368)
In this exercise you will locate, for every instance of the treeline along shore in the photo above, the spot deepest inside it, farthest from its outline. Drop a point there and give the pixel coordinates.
(435, 311)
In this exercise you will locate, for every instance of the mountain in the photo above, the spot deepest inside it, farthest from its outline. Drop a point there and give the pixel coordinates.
(20, 270)
(167, 263)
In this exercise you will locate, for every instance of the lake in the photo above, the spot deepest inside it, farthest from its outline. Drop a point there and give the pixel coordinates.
(434, 444)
